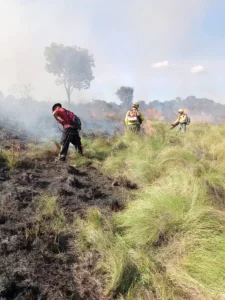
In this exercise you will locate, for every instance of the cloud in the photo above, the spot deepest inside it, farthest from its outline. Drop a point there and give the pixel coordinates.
(161, 65)
(198, 69)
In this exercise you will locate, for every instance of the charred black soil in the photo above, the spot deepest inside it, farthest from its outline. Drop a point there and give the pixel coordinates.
(37, 262)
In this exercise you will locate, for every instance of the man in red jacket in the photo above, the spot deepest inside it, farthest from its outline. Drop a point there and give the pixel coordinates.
(69, 134)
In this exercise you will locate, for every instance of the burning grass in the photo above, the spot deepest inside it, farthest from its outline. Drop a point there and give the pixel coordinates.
(169, 243)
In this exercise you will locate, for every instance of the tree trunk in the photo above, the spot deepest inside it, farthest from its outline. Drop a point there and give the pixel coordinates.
(68, 92)
(68, 96)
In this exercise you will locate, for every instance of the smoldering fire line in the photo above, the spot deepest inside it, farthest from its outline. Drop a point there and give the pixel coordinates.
(100, 116)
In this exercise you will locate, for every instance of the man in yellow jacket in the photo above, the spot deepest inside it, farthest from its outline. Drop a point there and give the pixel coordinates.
(134, 118)
(181, 121)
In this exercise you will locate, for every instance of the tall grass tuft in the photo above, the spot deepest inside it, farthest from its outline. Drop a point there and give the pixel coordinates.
(49, 216)
(2, 159)
(11, 159)
(169, 242)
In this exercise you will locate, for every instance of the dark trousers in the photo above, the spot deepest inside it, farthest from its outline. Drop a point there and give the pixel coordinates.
(70, 135)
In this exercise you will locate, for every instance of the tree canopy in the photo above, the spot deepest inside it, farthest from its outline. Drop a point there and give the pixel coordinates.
(71, 65)
(125, 94)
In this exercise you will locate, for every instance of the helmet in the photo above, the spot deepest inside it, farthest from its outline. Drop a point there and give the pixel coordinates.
(181, 111)
(55, 105)
(135, 105)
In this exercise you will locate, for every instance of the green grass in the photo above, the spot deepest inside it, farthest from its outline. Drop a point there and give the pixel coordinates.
(97, 150)
(169, 242)
(10, 158)
(2, 159)
(49, 216)
(39, 152)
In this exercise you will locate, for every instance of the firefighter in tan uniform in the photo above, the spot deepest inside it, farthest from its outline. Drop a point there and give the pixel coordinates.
(182, 121)
(134, 118)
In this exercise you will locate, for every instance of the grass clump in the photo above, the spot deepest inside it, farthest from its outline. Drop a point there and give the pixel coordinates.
(2, 159)
(97, 232)
(49, 216)
(135, 159)
(11, 159)
(98, 149)
(47, 150)
(169, 242)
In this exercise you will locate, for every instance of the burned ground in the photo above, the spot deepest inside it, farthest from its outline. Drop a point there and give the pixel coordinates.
(37, 262)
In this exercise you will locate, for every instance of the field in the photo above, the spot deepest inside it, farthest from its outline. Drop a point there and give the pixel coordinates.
(138, 217)
(169, 240)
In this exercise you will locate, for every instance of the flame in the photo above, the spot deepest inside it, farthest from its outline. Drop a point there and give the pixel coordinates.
(112, 117)
(93, 113)
(149, 130)
(153, 114)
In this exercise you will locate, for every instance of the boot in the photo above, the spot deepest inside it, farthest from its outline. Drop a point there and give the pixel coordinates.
(60, 158)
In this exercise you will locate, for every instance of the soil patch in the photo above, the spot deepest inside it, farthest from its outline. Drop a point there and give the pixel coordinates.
(37, 263)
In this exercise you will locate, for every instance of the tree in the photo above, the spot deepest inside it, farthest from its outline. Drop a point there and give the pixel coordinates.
(125, 94)
(71, 65)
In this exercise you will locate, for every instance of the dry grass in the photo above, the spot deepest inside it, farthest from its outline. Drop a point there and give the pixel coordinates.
(49, 217)
(169, 243)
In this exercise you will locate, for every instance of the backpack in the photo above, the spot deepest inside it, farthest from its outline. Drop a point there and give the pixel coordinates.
(188, 121)
(134, 116)
(75, 120)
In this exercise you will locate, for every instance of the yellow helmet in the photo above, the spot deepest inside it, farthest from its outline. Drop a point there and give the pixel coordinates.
(181, 111)
(135, 105)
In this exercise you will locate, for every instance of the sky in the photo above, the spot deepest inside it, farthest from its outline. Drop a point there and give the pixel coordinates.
(162, 48)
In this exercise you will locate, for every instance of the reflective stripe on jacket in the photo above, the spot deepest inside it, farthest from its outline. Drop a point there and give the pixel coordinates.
(133, 123)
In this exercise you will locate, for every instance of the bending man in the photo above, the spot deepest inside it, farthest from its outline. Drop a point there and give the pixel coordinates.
(69, 134)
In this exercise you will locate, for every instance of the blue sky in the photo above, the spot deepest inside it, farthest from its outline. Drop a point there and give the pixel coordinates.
(163, 48)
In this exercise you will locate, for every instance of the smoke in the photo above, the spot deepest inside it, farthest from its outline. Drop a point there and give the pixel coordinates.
(125, 37)
(35, 117)
(98, 116)
(149, 45)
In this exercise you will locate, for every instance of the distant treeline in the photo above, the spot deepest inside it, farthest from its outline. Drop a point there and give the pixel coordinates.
(99, 115)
